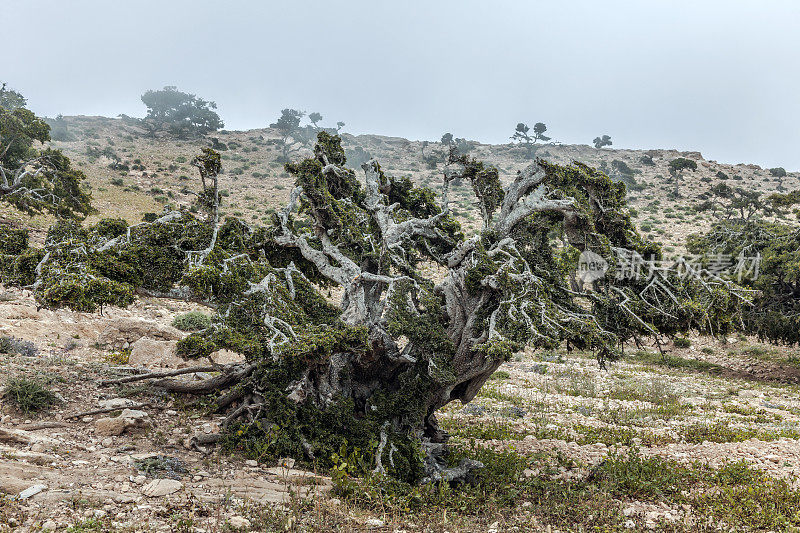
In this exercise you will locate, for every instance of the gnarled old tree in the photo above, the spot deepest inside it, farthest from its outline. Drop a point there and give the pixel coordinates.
(34, 179)
(419, 314)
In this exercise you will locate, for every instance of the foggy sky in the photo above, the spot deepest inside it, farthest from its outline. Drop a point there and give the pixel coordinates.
(719, 76)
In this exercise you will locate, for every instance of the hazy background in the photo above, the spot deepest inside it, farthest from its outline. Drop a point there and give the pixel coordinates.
(718, 76)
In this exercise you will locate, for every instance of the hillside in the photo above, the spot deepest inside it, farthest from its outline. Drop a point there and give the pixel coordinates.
(153, 172)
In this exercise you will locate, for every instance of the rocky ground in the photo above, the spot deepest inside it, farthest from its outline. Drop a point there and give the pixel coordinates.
(116, 454)
(119, 457)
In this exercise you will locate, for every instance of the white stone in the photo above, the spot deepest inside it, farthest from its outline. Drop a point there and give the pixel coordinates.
(239, 522)
(133, 414)
(31, 491)
(115, 403)
(161, 487)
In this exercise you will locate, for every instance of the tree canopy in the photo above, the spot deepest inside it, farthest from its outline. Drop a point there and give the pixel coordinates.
(34, 178)
(600, 142)
(179, 113)
(522, 135)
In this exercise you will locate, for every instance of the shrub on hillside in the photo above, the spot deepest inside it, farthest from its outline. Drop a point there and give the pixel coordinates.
(10, 345)
(192, 321)
(29, 395)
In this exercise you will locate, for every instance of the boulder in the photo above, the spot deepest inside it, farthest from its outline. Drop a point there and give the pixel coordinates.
(121, 331)
(114, 426)
(225, 357)
(152, 353)
(111, 426)
(161, 487)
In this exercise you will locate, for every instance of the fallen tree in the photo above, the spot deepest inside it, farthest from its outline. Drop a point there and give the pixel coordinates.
(421, 315)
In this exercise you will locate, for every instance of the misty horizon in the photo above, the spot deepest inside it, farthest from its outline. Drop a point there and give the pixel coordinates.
(716, 78)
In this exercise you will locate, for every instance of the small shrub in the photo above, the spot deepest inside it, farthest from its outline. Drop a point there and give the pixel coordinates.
(161, 466)
(118, 358)
(500, 374)
(681, 163)
(681, 342)
(28, 395)
(192, 321)
(651, 478)
(777, 172)
(10, 345)
(756, 351)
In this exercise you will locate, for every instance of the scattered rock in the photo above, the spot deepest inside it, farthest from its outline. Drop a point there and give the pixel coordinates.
(20, 436)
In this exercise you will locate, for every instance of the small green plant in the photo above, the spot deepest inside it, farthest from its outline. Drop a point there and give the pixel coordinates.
(681, 342)
(192, 321)
(118, 358)
(755, 351)
(650, 478)
(161, 466)
(500, 374)
(29, 395)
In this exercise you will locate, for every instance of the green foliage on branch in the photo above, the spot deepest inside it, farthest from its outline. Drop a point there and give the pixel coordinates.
(775, 312)
(32, 179)
(679, 164)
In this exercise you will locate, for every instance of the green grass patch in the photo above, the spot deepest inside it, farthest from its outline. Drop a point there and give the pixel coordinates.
(721, 432)
(29, 395)
(679, 363)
